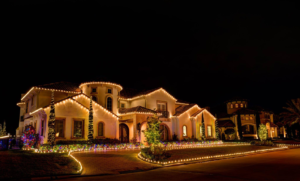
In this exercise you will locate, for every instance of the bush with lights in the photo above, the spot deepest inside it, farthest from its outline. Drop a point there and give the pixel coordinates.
(29, 138)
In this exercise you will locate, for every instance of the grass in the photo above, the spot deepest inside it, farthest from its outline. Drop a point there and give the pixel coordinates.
(26, 164)
(201, 152)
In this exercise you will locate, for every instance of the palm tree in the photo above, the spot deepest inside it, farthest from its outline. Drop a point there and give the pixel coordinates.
(292, 115)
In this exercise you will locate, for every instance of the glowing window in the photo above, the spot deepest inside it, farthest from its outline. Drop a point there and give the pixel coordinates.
(184, 131)
(231, 105)
(247, 118)
(242, 105)
(208, 130)
(251, 117)
(236, 105)
(109, 104)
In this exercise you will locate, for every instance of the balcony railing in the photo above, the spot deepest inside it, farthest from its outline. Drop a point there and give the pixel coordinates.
(164, 114)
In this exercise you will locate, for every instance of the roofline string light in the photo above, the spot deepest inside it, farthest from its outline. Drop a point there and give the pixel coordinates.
(196, 105)
(71, 100)
(57, 90)
(109, 83)
(149, 94)
(208, 157)
(203, 111)
(104, 109)
(36, 111)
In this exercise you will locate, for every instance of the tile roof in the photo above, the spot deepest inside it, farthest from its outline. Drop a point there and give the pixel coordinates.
(197, 112)
(135, 109)
(226, 123)
(181, 109)
(67, 86)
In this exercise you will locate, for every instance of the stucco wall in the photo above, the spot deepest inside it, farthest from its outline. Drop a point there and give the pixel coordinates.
(151, 101)
(138, 102)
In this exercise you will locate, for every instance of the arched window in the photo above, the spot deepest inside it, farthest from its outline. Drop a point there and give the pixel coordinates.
(242, 105)
(184, 131)
(109, 103)
(236, 105)
(231, 106)
(94, 98)
(101, 129)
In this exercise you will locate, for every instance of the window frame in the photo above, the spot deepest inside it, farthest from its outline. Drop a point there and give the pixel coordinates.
(209, 126)
(103, 131)
(161, 102)
(111, 90)
(64, 127)
(185, 131)
(236, 105)
(92, 88)
(107, 103)
(82, 129)
(42, 127)
(122, 104)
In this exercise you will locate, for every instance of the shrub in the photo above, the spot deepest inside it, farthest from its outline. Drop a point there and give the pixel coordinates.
(262, 132)
(159, 153)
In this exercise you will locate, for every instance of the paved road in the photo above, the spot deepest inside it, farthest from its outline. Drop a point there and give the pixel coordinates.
(280, 165)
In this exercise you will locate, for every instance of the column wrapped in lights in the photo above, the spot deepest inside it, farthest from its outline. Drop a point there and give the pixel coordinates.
(51, 123)
(203, 127)
(91, 126)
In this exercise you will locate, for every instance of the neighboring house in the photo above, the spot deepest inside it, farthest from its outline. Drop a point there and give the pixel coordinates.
(118, 114)
(228, 120)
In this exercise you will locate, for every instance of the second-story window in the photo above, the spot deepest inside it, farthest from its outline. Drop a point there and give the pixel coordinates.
(231, 106)
(122, 105)
(109, 91)
(236, 105)
(161, 106)
(109, 103)
(94, 89)
(242, 105)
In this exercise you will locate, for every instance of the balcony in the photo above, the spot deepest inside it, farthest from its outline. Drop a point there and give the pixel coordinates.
(163, 114)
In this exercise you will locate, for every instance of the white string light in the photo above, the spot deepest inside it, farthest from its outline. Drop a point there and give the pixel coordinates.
(108, 83)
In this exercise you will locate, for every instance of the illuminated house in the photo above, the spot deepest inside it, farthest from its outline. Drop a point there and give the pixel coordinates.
(229, 120)
(118, 114)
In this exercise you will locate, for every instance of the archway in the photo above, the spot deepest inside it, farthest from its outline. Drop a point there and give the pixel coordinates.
(124, 133)
(143, 138)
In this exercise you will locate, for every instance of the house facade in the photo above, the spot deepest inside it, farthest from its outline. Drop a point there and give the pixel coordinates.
(118, 114)
(248, 119)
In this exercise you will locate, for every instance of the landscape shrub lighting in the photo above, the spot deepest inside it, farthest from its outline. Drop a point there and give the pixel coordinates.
(208, 157)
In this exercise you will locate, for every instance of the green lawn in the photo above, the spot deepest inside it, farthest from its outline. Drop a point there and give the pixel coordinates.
(202, 152)
(25, 164)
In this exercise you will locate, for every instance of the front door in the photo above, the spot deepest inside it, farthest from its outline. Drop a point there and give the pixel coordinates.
(124, 133)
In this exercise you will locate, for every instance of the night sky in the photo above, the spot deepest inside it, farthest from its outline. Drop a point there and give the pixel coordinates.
(202, 53)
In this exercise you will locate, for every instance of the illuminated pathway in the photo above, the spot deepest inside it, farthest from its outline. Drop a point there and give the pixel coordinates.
(280, 165)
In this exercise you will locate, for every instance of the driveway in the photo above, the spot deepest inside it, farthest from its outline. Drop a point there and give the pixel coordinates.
(279, 165)
(111, 162)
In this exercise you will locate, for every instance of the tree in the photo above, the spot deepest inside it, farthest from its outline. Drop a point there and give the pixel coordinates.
(152, 132)
(239, 122)
(262, 132)
(91, 126)
(4, 129)
(217, 129)
(229, 132)
(1, 132)
(292, 115)
(257, 119)
(51, 123)
(203, 128)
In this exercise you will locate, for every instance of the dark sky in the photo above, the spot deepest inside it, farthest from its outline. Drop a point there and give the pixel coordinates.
(204, 53)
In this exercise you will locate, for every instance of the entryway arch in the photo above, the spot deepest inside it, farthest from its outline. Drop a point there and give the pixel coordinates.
(123, 133)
